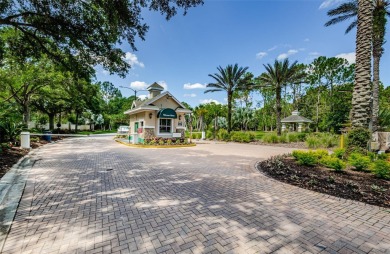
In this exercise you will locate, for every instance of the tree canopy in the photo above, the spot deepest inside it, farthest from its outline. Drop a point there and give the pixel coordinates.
(81, 33)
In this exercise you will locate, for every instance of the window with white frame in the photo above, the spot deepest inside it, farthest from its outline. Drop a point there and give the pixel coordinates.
(165, 125)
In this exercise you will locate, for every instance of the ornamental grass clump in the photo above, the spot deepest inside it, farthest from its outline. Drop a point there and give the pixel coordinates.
(292, 137)
(381, 169)
(312, 141)
(270, 138)
(359, 162)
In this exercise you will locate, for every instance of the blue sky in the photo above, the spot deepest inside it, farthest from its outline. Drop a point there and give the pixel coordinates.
(181, 52)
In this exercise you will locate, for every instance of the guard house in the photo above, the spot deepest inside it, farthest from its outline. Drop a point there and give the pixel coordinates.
(293, 120)
(161, 115)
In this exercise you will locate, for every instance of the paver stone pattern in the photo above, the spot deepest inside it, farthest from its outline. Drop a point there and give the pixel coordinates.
(93, 195)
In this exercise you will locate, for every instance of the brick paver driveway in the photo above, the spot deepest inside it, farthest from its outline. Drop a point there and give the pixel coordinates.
(94, 195)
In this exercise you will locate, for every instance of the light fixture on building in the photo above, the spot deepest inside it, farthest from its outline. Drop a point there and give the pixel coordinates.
(150, 115)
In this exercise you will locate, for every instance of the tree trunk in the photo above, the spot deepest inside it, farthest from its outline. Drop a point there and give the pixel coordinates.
(77, 122)
(229, 116)
(26, 114)
(278, 110)
(361, 108)
(318, 108)
(51, 121)
(375, 93)
(379, 29)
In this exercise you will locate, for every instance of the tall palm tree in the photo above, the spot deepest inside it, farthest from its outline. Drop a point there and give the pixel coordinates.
(350, 10)
(230, 80)
(278, 76)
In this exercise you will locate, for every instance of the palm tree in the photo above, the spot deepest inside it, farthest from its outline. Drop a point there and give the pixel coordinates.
(278, 76)
(230, 80)
(350, 10)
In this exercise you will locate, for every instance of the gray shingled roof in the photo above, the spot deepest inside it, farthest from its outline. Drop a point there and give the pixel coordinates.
(296, 118)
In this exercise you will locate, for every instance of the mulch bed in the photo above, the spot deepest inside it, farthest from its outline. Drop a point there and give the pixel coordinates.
(8, 157)
(348, 184)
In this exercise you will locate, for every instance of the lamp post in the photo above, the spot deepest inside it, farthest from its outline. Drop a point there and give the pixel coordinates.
(135, 91)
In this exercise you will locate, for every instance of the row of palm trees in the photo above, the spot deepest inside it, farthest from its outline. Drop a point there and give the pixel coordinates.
(369, 16)
(233, 78)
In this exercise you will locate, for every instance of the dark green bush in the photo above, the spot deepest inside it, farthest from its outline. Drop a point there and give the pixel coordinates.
(359, 161)
(382, 156)
(358, 137)
(333, 162)
(301, 136)
(381, 169)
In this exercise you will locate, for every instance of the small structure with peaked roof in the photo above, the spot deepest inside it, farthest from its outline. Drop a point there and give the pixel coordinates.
(161, 115)
(295, 118)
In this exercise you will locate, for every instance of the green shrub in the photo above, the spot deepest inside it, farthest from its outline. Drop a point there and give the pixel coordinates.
(209, 134)
(302, 136)
(309, 158)
(359, 161)
(292, 137)
(223, 135)
(358, 137)
(382, 156)
(270, 138)
(339, 153)
(333, 162)
(243, 137)
(321, 153)
(381, 169)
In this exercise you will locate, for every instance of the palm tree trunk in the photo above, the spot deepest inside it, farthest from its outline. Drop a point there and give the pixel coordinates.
(362, 90)
(375, 93)
(278, 110)
(229, 116)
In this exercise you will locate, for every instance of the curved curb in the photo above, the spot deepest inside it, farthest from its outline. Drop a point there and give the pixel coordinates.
(151, 146)
(12, 186)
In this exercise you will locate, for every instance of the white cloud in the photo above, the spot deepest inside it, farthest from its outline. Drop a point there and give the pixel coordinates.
(192, 95)
(273, 48)
(351, 57)
(143, 96)
(194, 86)
(306, 40)
(328, 3)
(132, 59)
(163, 84)
(289, 53)
(105, 72)
(205, 101)
(261, 55)
(314, 53)
(139, 85)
